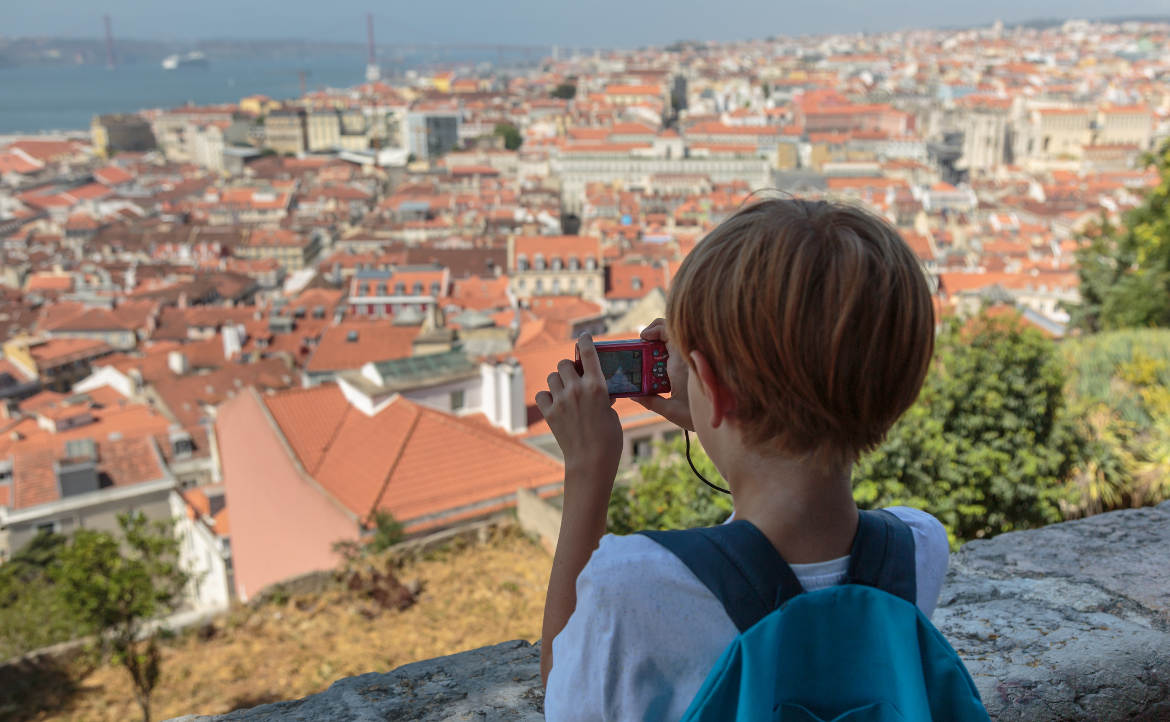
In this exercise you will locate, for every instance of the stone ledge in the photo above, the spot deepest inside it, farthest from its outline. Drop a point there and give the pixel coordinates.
(1068, 622)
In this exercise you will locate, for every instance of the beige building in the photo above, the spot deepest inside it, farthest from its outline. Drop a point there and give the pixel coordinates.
(1054, 136)
(985, 136)
(324, 130)
(207, 146)
(1125, 125)
(285, 132)
(557, 266)
(288, 248)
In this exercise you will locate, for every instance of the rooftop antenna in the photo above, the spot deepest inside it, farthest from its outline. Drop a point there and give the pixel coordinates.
(373, 72)
(110, 65)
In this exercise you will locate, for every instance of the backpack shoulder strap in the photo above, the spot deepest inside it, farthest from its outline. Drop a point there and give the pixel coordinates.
(738, 564)
(883, 555)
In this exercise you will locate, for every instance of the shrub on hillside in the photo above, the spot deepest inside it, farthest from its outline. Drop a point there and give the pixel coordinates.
(1119, 391)
(988, 445)
(663, 493)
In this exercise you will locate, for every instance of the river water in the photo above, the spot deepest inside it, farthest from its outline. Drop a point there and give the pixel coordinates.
(66, 97)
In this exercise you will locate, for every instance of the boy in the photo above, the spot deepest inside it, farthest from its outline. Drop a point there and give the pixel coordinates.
(798, 333)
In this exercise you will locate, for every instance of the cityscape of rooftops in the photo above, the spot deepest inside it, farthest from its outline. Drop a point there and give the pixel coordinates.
(313, 289)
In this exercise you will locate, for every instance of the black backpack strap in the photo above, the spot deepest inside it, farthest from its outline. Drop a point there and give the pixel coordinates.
(738, 564)
(883, 555)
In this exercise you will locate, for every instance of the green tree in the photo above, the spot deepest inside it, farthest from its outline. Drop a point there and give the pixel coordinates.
(988, 445)
(388, 531)
(33, 613)
(510, 134)
(116, 586)
(1125, 272)
(665, 494)
(565, 91)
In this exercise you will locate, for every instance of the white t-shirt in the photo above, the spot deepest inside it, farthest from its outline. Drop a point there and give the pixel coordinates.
(646, 631)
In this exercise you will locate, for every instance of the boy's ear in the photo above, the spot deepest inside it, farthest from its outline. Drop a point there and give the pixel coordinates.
(720, 396)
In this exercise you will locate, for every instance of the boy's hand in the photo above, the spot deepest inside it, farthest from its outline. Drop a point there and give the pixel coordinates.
(580, 414)
(676, 408)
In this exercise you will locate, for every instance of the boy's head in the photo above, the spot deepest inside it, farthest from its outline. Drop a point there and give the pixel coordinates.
(818, 319)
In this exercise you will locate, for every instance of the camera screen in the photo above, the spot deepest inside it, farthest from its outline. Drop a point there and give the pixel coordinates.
(622, 371)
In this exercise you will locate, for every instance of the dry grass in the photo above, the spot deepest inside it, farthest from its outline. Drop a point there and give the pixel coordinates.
(472, 596)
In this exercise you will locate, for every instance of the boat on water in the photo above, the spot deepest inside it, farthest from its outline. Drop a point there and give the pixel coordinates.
(194, 59)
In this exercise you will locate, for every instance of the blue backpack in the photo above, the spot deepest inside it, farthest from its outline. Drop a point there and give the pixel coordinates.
(861, 651)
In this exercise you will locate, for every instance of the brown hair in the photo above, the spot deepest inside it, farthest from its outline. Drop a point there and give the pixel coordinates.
(818, 318)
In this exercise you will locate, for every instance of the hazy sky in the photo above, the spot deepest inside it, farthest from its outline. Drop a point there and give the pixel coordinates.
(581, 23)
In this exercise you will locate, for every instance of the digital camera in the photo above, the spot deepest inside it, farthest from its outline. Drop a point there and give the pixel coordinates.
(631, 368)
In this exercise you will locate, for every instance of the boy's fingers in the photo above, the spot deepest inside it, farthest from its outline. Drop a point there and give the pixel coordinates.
(590, 363)
(544, 402)
(554, 382)
(656, 331)
(566, 371)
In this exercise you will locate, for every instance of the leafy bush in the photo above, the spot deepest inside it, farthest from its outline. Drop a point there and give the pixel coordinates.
(665, 494)
(510, 134)
(33, 614)
(988, 445)
(1119, 390)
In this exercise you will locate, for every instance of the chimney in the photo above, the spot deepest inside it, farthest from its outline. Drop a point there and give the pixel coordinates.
(516, 410)
(177, 361)
(488, 391)
(234, 336)
(503, 395)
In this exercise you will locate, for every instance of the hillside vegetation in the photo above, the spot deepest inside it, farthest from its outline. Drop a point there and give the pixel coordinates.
(471, 595)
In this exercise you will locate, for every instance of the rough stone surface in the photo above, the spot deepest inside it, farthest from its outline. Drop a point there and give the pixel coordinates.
(1069, 622)
(501, 682)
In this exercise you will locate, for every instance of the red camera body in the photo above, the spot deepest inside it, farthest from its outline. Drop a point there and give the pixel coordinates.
(631, 368)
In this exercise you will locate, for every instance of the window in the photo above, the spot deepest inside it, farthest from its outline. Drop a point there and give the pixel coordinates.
(399, 288)
(522, 262)
(643, 448)
(417, 288)
(590, 264)
(574, 264)
(51, 527)
(557, 264)
(636, 283)
(457, 400)
(434, 288)
(381, 289)
(539, 263)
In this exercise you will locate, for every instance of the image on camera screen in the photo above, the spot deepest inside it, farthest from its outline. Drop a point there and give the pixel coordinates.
(622, 371)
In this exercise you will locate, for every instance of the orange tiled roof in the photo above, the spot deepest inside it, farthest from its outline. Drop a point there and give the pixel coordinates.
(478, 293)
(376, 341)
(112, 175)
(58, 351)
(409, 460)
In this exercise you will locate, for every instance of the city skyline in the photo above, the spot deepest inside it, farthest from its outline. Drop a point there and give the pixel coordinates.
(528, 22)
